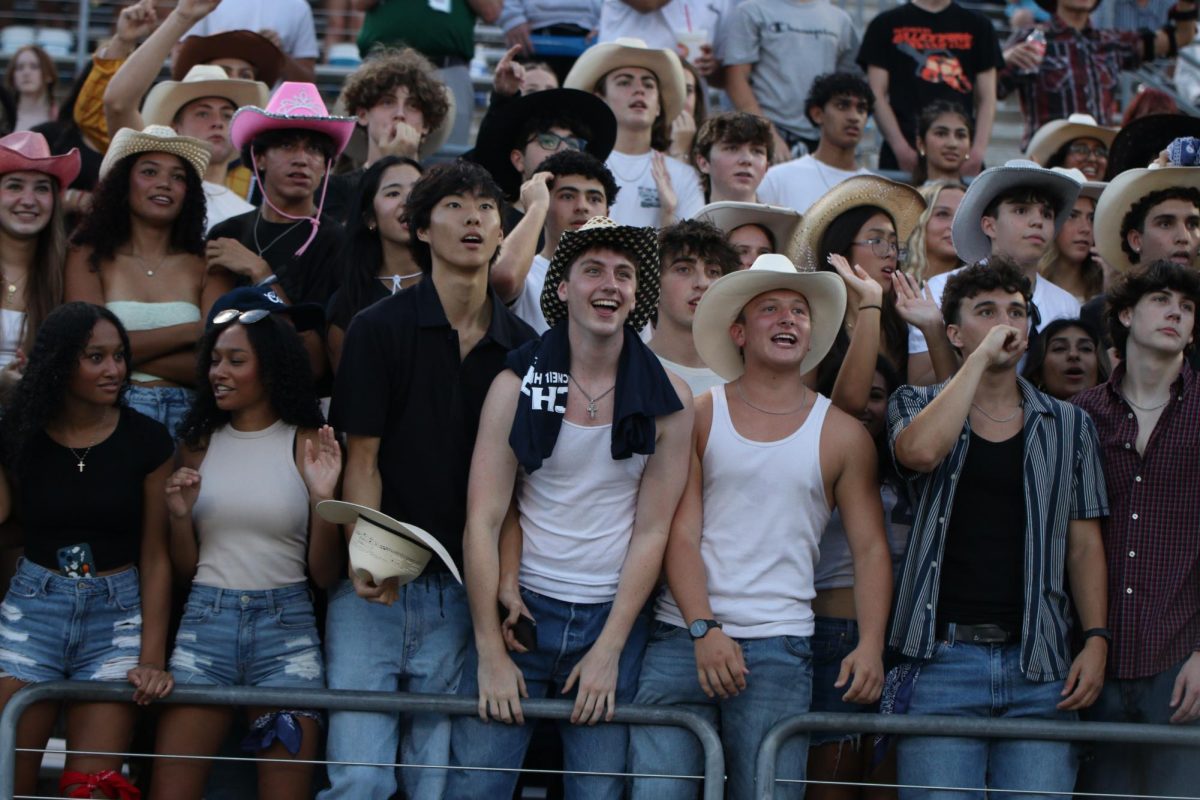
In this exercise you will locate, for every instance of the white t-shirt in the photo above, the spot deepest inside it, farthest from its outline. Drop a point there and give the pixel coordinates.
(222, 203)
(528, 305)
(698, 379)
(800, 183)
(657, 28)
(637, 202)
(291, 19)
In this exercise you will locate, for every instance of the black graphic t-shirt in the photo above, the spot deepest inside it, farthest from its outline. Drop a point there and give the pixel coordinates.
(929, 57)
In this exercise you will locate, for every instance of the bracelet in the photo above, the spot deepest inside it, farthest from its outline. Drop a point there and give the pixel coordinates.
(1149, 38)
(1103, 633)
(871, 305)
(1172, 42)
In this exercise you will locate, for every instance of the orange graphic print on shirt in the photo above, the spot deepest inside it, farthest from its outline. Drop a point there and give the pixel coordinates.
(935, 63)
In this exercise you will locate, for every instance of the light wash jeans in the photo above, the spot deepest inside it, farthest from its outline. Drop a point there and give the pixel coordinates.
(166, 404)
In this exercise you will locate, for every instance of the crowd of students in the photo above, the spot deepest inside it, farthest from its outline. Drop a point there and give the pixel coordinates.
(288, 404)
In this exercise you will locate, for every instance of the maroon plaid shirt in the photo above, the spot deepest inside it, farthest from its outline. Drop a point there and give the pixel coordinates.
(1152, 538)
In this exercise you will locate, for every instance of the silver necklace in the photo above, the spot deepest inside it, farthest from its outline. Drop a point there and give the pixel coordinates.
(82, 458)
(1009, 418)
(636, 178)
(272, 243)
(150, 270)
(1150, 408)
(591, 406)
(803, 401)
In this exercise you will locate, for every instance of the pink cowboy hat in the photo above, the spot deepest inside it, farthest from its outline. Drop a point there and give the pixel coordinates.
(293, 106)
(26, 150)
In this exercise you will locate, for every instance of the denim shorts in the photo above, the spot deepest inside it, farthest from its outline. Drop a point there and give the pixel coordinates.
(230, 637)
(53, 628)
(833, 639)
(166, 404)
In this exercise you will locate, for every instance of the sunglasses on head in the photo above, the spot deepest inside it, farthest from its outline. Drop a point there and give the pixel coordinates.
(245, 317)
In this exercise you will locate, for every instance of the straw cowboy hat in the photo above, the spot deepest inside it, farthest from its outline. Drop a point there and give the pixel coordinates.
(1118, 199)
(203, 80)
(969, 239)
(1092, 189)
(783, 223)
(27, 151)
(601, 59)
(1050, 137)
(156, 139)
(1140, 142)
(253, 48)
(902, 201)
(385, 547)
(598, 232)
(725, 299)
(294, 106)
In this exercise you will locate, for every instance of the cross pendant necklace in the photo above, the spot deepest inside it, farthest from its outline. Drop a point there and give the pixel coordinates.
(82, 458)
(592, 408)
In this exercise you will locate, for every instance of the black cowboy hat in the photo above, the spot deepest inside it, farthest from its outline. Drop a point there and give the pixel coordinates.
(1140, 142)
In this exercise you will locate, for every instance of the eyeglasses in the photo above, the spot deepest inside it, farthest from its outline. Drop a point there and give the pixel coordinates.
(883, 248)
(552, 141)
(1084, 151)
(245, 317)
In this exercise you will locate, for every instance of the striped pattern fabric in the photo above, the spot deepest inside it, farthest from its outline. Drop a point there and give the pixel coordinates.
(1064, 480)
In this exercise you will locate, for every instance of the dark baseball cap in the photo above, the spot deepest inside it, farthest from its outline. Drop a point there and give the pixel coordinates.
(305, 316)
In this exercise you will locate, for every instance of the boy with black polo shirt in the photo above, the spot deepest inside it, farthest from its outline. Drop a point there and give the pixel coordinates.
(414, 373)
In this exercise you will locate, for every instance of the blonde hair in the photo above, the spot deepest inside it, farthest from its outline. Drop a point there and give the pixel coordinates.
(918, 259)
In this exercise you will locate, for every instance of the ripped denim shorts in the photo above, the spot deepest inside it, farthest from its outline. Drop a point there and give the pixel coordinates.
(52, 627)
(231, 637)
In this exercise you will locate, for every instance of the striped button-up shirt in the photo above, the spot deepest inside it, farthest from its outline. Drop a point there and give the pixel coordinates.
(1063, 481)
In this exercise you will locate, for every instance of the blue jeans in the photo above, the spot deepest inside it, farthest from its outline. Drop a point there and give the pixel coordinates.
(167, 404)
(417, 644)
(779, 686)
(1148, 769)
(970, 680)
(565, 633)
(832, 641)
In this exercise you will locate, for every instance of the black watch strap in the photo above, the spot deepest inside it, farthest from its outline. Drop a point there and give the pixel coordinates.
(699, 628)
(1103, 633)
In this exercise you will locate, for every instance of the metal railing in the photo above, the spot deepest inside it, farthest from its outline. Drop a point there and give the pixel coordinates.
(973, 727)
(341, 700)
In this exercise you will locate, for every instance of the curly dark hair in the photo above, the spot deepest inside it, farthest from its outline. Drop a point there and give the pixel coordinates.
(1135, 218)
(730, 127)
(836, 84)
(1134, 285)
(283, 369)
(384, 71)
(38, 397)
(1037, 349)
(700, 239)
(575, 162)
(457, 177)
(286, 137)
(929, 115)
(110, 224)
(996, 273)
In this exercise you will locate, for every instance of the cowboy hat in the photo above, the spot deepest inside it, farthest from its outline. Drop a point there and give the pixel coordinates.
(1053, 135)
(729, 294)
(783, 223)
(433, 141)
(599, 232)
(501, 127)
(969, 239)
(601, 59)
(1051, 6)
(253, 48)
(203, 80)
(1090, 189)
(28, 151)
(156, 139)
(385, 547)
(1123, 192)
(1142, 139)
(294, 106)
(901, 201)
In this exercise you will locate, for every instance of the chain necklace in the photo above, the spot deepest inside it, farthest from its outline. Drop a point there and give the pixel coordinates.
(150, 271)
(271, 243)
(1148, 409)
(803, 402)
(591, 406)
(83, 457)
(1009, 418)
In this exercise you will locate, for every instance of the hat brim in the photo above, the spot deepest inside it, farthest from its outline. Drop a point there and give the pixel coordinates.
(969, 239)
(497, 136)
(783, 223)
(644, 244)
(253, 48)
(1050, 137)
(166, 99)
(64, 168)
(725, 299)
(1050, 6)
(1140, 142)
(250, 121)
(127, 142)
(341, 512)
(437, 137)
(901, 201)
(1119, 197)
(601, 59)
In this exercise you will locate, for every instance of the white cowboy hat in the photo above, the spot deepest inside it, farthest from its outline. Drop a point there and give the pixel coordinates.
(902, 201)
(969, 239)
(1092, 189)
(1123, 192)
(385, 547)
(783, 223)
(1050, 137)
(156, 139)
(601, 59)
(203, 80)
(725, 299)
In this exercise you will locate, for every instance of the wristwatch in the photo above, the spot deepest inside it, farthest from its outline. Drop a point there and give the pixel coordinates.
(1103, 633)
(700, 628)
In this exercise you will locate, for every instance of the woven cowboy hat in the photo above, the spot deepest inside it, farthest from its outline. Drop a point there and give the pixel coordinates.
(294, 106)
(1119, 198)
(156, 139)
(385, 547)
(498, 133)
(203, 80)
(969, 239)
(1140, 142)
(783, 223)
(1092, 189)
(601, 59)
(902, 201)
(253, 48)
(1050, 137)
(27, 151)
(598, 232)
(729, 294)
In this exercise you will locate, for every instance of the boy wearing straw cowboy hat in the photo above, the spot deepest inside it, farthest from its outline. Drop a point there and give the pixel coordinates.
(592, 435)
(770, 459)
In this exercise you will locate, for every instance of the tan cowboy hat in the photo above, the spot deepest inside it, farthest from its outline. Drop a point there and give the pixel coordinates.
(1054, 134)
(1122, 193)
(437, 137)
(902, 201)
(725, 299)
(601, 59)
(783, 223)
(156, 139)
(253, 48)
(203, 80)
(384, 547)
(1092, 189)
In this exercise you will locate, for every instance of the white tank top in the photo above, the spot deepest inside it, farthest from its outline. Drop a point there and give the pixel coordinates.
(577, 515)
(252, 513)
(764, 511)
(12, 332)
(137, 315)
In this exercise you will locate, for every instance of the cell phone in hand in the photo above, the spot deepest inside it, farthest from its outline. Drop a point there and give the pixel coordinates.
(524, 631)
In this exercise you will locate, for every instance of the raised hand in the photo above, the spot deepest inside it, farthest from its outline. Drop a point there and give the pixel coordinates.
(914, 304)
(861, 285)
(535, 192)
(196, 10)
(509, 73)
(183, 487)
(136, 21)
(322, 464)
(668, 201)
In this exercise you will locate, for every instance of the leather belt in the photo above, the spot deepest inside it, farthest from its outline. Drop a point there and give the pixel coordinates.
(977, 634)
